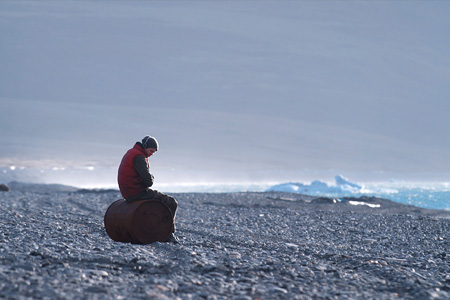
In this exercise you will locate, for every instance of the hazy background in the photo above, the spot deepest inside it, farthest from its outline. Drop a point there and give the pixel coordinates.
(233, 90)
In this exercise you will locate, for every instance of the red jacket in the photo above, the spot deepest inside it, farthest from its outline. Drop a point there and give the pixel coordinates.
(130, 183)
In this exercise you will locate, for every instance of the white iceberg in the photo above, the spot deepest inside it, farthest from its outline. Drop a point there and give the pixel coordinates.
(343, 185)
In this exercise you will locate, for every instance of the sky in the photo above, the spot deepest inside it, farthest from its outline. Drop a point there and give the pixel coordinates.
(232, 90)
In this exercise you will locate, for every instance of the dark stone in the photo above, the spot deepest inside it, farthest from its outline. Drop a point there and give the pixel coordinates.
(4, 188)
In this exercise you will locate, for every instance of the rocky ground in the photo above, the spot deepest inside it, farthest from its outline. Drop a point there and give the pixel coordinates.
(53, 245)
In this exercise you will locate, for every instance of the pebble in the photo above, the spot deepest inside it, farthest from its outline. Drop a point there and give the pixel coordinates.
(292, 246)
(238, 246)
(234, 255)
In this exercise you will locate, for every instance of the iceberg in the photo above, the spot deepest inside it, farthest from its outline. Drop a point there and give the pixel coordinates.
(318, 187)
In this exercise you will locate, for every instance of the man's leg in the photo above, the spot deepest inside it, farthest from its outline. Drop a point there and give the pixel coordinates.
(155, 195)
(169, 201)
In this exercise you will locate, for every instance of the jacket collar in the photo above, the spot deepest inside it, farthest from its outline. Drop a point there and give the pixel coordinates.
(138, 146)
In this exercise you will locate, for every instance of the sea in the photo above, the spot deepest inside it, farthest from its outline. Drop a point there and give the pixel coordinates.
(433, 195)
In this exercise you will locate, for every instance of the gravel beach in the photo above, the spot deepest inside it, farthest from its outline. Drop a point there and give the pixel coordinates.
(53, 245)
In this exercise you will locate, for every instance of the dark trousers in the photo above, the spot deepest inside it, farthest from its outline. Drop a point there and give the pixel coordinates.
(155, 195)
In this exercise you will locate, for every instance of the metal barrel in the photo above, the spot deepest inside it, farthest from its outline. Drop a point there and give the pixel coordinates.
(139, 222)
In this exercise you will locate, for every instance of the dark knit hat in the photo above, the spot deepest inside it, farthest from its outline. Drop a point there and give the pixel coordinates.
(149, 142)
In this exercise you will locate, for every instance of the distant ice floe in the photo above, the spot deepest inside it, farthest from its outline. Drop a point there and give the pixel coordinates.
(317, 187)
(364, 203)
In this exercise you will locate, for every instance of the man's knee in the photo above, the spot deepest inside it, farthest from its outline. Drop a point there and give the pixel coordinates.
(174, 202)
(170, 202)
(155, 195)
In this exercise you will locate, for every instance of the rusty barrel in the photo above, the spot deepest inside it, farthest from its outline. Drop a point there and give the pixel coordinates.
(139, 222)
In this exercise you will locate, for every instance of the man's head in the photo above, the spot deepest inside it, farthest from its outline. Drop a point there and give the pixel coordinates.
(150, 145)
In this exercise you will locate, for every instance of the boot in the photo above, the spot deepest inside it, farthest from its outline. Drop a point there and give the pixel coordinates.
(173, 239)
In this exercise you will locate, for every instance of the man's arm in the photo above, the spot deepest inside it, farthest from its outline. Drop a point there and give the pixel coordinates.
(141, 167)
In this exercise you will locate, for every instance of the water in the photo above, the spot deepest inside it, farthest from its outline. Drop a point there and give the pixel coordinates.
(426, 195)
(434, 195)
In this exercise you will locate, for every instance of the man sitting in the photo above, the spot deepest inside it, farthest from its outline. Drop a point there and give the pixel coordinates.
(135, 179)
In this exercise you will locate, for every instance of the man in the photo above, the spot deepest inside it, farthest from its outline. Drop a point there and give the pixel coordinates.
(135, 179)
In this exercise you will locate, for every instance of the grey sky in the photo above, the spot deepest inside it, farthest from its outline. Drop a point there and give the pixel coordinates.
(229, 88)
